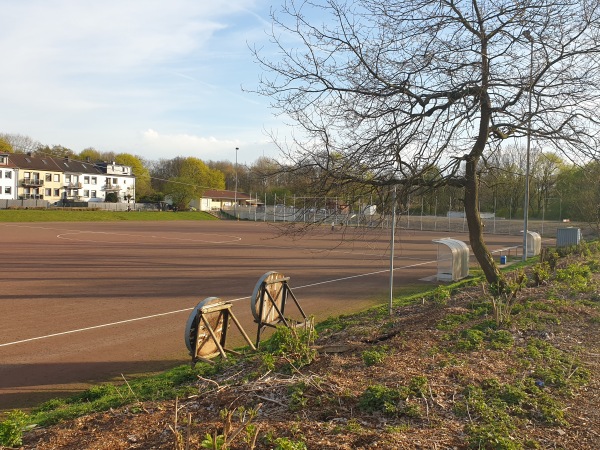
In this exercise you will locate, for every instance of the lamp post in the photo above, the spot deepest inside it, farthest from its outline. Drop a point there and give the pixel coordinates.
(236, 185)
(528, 36)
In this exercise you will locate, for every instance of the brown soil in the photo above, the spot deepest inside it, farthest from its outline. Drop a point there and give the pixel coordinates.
(319, 403)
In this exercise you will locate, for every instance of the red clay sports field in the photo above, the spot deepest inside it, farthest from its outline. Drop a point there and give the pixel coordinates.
(82, 303)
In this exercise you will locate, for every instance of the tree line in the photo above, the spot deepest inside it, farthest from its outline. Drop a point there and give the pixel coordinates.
(559, 189)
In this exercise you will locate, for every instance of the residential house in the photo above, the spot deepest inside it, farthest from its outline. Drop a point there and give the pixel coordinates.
(8, 178)
(39, 177)
(66, 179)
(119, 179)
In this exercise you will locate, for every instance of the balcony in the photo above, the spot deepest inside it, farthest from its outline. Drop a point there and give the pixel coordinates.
(72, 186)
(32, 182)
(31, 197)
(109, 187)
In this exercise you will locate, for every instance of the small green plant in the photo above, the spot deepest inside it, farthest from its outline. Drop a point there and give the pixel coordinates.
(500, 339)
(381, 398)
(470, 339)
(418, 386)
(441, 295)
(541, 273)
(283, 443)
(505, 296)
(375, 356)
(576, 277)
(298, 400)
(294, 344)
(11, 429)
(231, 431)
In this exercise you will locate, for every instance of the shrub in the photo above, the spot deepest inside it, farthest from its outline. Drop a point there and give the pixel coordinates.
(11, 429)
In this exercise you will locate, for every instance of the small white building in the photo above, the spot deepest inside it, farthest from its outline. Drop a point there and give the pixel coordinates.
(213, 200)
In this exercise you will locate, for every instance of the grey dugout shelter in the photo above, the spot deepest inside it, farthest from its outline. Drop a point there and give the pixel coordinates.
(452, 260)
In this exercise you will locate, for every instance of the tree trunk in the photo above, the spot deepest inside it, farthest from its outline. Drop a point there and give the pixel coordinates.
(482, 254)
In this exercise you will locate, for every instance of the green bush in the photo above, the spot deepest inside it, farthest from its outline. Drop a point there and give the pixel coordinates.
(11, 429)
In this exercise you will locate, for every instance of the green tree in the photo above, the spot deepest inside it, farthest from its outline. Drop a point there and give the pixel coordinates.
(185, 179)
(143, 187)
(403, 86)
(5, 146)
(90, 154)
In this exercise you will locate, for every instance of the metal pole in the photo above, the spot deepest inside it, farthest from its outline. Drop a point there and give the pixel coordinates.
(236, 185)
(528, 36)
(435, 214)
(392, 239)
(421, 212)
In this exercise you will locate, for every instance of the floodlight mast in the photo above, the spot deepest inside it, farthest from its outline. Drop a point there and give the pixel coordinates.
(528, 36)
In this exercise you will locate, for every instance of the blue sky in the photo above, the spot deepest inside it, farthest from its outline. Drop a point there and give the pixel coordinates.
(155, 78)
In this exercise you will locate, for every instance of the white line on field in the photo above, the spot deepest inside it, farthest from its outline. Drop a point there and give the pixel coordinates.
(121, 322)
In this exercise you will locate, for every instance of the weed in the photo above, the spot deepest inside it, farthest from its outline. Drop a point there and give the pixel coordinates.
(451, 321)
(554, 367)
(575, 276)
(231, 430)
(441, 295)
(541, 273)
(500, 339)
(470, 339)
(294, 344)
(505, 296)
(297, 398)
(11, 429)
(283, 443)
(375, 356)
(380, 398)
(418, 386)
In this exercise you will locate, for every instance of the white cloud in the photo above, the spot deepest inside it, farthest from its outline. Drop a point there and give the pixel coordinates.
(206, 148)
(81, 73)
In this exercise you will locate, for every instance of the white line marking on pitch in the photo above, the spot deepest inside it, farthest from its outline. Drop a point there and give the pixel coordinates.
(121, 322)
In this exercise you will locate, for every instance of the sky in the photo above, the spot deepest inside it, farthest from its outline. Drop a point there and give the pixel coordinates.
(154, 78)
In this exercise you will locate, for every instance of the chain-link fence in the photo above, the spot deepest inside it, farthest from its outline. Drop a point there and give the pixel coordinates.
(451, 223)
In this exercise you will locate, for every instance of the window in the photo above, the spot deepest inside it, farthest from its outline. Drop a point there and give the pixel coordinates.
(7, 190)
(48, 177)
(93, 194)
(48, 192)
(0, 174)
(3, 159)
(86, 180)
(67, 178)
(57, 177)
(8, 175)
(26, 175)
(114, 181)
(124, 181)
(86, 193)
(94, 180)
(57, 192)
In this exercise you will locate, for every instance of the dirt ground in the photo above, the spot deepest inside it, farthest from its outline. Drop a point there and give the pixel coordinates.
(319, 405)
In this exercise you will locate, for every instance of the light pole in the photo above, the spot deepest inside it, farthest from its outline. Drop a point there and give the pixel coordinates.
(236, 182)
(528, 36)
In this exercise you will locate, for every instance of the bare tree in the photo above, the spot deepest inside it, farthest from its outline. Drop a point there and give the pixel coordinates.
(21, 143)
(385, 90)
